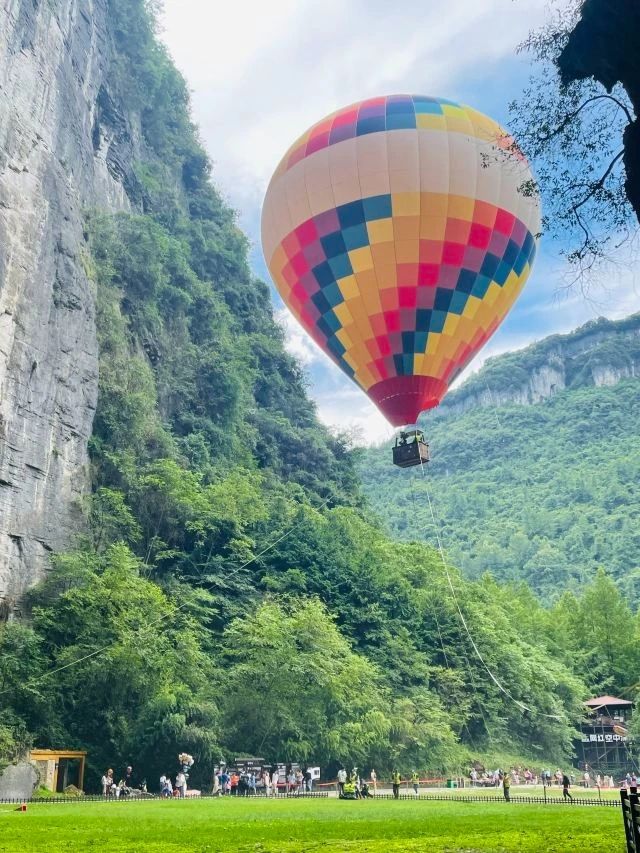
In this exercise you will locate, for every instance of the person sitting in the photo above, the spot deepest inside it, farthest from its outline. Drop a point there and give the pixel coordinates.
(348, 790)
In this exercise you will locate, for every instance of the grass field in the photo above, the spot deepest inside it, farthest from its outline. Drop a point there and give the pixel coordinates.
(298, 826)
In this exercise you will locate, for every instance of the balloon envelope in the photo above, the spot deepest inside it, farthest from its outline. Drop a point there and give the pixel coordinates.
(399, 232)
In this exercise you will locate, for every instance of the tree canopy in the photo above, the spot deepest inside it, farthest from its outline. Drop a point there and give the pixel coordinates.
(576, 120)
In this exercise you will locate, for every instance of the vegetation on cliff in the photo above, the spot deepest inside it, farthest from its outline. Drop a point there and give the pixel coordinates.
(230, 591)
(545, 494)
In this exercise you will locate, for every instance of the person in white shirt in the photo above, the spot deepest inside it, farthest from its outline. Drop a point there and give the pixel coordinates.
(107, 783)
(266, 781)
(342, 778)
(274, 783)
(181, 784)
(374, 781)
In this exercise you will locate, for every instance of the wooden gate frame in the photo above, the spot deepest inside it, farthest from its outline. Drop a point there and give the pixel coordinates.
(55, 755)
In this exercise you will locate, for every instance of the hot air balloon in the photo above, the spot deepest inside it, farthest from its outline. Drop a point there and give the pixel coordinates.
(399, 232)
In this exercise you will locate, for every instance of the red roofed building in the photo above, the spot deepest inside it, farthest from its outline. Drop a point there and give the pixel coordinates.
(604, 745)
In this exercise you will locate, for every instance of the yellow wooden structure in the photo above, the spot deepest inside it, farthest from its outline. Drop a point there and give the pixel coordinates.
(56, 768)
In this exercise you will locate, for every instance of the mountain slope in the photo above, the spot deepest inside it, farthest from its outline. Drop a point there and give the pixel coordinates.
(544, 492)
(226, 590)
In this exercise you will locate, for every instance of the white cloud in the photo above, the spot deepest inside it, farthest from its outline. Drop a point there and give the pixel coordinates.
(297, 341)
(261, 73)
(347, 408)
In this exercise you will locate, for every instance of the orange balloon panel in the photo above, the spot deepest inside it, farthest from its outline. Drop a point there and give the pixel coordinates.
(400, 231)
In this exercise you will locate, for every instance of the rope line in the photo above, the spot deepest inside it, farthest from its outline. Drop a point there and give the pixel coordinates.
(505, 691)
(466, 660)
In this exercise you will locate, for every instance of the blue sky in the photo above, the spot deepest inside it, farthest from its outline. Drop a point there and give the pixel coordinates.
(261, 73)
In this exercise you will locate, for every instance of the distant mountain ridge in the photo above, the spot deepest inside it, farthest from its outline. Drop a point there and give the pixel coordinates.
(602, 352)
(535, 471)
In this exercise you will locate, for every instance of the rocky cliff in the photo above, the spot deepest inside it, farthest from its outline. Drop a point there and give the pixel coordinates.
(600, 353)
(604, 46)
(65, 147)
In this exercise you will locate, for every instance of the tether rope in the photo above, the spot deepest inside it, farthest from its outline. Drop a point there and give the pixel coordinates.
(505, 691)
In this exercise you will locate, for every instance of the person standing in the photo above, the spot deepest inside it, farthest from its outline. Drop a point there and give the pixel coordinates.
(235, 780)
(266, 782)
(107, 783)
(356, 783)
(506, 786)
(395, 782)
(374, 781)
(415, 781)
(274, 783)
(565, 787)
(181, 785)
(342, 778)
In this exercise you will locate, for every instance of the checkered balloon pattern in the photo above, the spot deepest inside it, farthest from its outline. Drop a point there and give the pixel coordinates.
(400, 231)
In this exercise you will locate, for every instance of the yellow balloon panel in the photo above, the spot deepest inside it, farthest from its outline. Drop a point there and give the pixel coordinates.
(398, 233)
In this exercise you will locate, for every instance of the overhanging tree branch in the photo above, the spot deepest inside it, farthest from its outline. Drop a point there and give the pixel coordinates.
(599, 184)
(571, 116)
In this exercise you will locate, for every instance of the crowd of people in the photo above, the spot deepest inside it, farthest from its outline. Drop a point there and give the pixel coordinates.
(124, 787)
(248, 782)
(520, 776)
(517, 776)
(128, 787)
(351, 787)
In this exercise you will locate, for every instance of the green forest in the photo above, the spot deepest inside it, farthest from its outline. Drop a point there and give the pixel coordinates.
(234, 590)
(546, 494)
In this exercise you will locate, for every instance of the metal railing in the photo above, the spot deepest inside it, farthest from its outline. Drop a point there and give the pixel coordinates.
(629, 805)
(471, 798)
(145, 798)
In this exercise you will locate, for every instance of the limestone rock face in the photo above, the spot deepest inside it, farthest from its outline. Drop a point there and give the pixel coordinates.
(604, 45)
(62, 152)
(18, 781)
(602, 352)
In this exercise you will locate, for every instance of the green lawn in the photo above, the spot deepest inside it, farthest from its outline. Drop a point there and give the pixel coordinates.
(296, 826)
